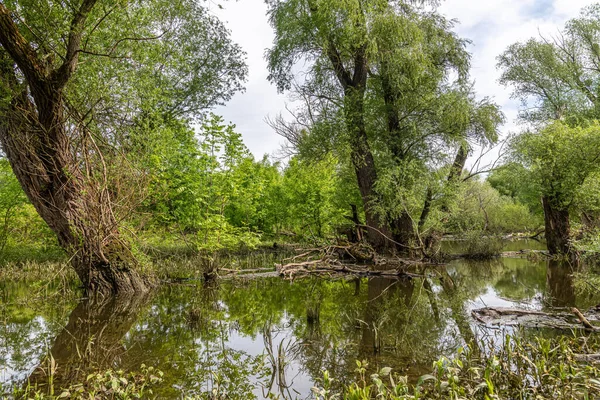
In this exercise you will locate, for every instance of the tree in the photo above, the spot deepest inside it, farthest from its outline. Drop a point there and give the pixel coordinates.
(560, 159)
(75, 78)
(386, 89)
(557, 78)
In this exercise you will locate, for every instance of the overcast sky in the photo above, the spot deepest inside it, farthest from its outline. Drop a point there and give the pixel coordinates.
(491, 25)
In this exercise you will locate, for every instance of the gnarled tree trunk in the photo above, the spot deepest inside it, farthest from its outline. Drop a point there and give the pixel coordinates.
(557, 227)
(366, 176)
(57, 162)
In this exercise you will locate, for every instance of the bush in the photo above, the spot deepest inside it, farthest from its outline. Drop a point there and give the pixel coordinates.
(557, 368)
(481, 247)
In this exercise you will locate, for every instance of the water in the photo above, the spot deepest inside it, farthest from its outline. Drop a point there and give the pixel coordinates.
(460, 246)
(267, 335)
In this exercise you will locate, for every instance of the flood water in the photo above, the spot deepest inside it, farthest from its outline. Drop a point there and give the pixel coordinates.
(269, 336)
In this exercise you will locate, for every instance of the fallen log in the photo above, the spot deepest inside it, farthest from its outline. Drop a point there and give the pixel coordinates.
(503, 316)
(504, 254)
(229, 271)
(589, 358)
(356, 259)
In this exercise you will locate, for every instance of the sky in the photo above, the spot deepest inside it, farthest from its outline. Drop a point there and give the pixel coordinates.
(491, 25)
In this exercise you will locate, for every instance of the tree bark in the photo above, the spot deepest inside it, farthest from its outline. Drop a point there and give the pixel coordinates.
(557, 227)
(362, 157)
(366, 175)
(459, 163)
(57, 162)
(403, 230)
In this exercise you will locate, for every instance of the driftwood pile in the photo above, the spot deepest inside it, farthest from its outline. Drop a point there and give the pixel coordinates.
(354, 259)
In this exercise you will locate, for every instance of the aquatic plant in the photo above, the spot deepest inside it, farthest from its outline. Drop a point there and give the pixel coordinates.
(109, 384)
(481, 247)
(518, 368)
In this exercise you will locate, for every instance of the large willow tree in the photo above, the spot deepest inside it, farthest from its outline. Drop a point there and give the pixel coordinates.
(385, 82)
(76, 76)
(557, 78)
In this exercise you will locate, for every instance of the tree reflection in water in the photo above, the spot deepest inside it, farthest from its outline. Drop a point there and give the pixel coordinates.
(91, 341)
(260, 337)
(560, 285)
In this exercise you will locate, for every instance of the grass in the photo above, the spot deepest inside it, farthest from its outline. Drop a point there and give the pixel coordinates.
(518, 368)
(109, 384)
(557, 368)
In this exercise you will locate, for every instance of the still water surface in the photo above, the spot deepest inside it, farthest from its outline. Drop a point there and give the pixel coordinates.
(267, 335)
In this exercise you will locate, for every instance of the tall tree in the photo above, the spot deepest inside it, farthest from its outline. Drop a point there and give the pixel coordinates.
(560, 159)
(74, 78)
(380, 88)
(558, 79)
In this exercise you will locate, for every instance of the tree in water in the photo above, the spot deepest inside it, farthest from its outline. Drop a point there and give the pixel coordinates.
(557, 80)
(74, 80)
(386, 90)
(560, 159)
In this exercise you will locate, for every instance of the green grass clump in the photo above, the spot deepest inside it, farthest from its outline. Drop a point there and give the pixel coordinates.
(109, 384)
(558, 368)
(480, 247)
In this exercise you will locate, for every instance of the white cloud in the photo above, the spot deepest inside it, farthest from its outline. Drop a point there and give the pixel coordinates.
(492, 25)
(249, 27)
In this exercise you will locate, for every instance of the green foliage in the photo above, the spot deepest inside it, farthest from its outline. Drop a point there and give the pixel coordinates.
(108, 384)
(481, 247)
(479, 207)
(514, 180)
(310, 200)
(557, 78)
(516, 368)
(208, 187)
(20, 226)
(560, 159)
(175, 56)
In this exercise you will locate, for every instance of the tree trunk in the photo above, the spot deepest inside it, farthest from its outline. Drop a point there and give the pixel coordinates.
(426, 208)
(364, 167)
(404, 234)
(403, 230)
(77, 208)
(459, 163)
(354, 85)
(58, 163)
(557, 227)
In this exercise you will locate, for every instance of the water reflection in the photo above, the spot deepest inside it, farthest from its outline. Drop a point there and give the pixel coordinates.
(91, 340)
(272, 337)
(560, 285)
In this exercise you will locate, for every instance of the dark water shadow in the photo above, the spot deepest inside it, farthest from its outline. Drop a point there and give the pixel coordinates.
(560, 284)
(91, 341)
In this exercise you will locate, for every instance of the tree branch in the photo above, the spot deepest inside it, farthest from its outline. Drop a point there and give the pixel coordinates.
(19, 48)
(61, 75)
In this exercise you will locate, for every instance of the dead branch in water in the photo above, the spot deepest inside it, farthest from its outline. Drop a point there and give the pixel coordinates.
(353, 259)
(583, 319)
(502, 316)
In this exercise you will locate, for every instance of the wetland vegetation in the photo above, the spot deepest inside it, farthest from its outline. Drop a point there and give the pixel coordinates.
(146, 253)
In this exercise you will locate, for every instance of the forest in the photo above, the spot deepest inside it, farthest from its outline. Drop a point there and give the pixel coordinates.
(401, 243)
